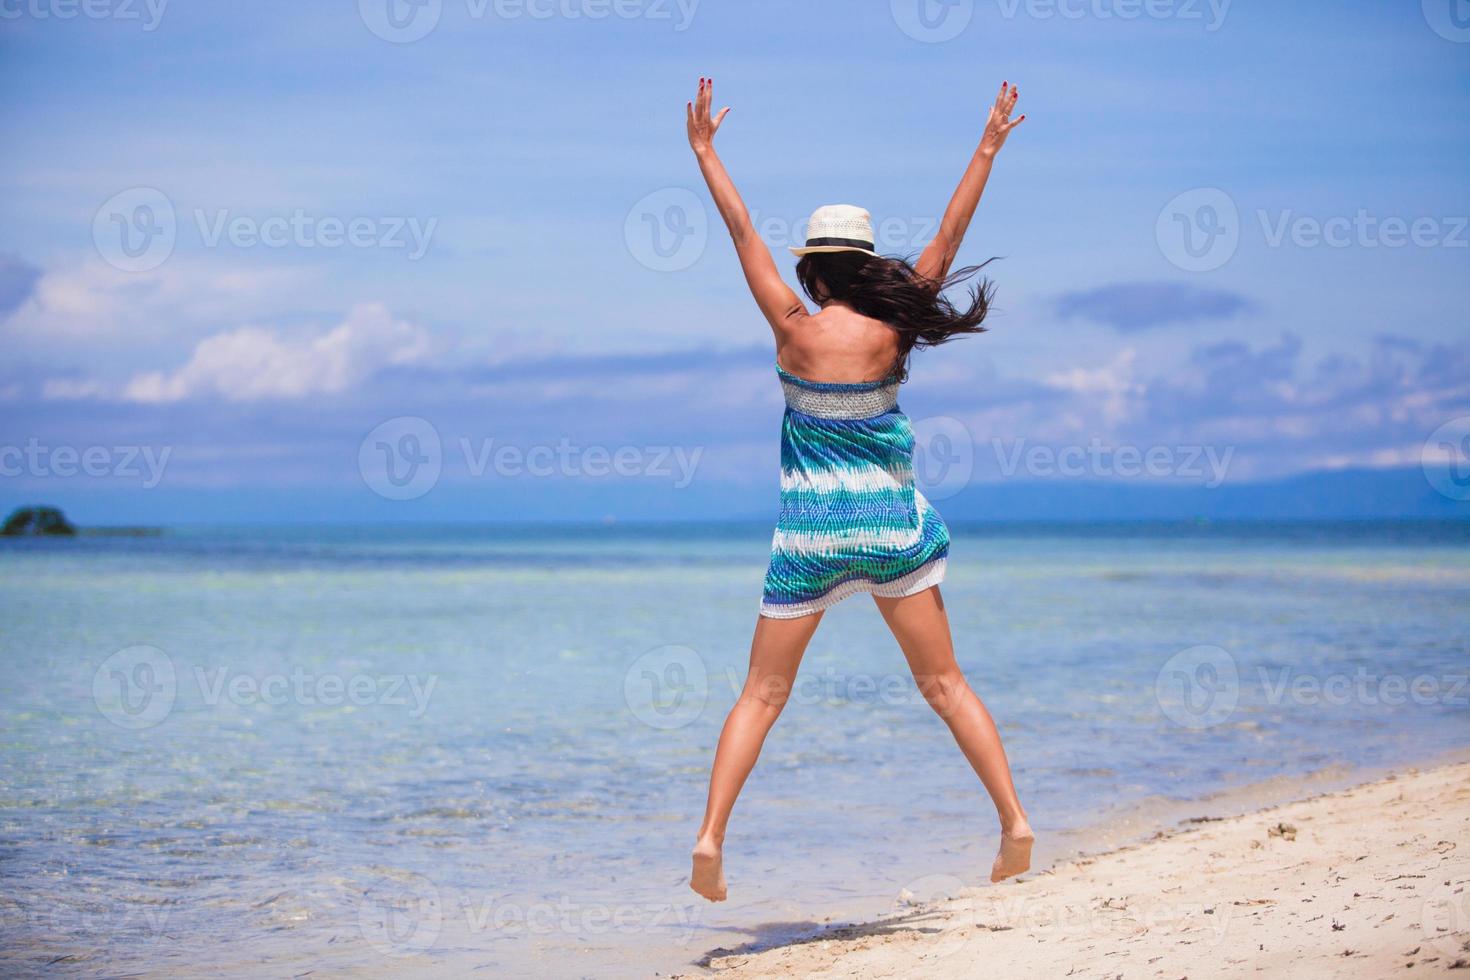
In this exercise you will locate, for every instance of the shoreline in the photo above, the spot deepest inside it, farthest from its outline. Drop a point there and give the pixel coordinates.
(1156, 889)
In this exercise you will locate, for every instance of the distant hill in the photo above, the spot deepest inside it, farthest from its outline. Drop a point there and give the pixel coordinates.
(1359, 494)
(1341, 495)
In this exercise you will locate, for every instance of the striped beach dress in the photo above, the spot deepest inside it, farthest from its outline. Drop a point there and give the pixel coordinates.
(851, 519)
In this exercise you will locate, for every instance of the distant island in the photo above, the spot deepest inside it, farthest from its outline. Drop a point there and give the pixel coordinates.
(35, 521)
(31, 521)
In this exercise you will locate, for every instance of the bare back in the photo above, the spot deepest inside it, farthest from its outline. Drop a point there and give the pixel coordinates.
(837, 344)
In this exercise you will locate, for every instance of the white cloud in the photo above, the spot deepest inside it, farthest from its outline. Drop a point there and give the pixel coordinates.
(254, 363)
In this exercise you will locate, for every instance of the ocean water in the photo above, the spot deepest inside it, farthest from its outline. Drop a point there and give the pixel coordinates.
(436, 751)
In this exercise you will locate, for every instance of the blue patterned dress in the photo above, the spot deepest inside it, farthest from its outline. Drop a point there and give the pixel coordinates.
(851, 519)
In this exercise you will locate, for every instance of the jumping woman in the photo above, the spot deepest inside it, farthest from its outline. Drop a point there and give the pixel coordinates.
(851, 519)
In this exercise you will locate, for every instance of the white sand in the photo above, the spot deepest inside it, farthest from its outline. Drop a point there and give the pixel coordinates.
(1369, 882)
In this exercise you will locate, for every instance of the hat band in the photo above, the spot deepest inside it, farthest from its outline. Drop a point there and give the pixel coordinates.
(842, 242)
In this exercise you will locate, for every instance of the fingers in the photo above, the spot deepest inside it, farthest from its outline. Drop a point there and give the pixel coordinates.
(721, 117)
(1006, 100)
(1013, 125)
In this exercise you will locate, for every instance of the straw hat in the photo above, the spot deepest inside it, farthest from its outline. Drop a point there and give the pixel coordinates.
(838, 228)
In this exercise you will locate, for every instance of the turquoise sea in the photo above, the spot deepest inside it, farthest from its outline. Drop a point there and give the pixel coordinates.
(415, 751)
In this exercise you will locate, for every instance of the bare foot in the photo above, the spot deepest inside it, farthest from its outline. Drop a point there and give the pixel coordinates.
(1015, 852)
(708, 876)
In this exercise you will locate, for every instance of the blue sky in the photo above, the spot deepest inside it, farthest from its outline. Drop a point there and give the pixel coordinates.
(1236, 227)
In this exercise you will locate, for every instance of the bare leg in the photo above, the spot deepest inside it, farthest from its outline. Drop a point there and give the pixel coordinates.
(921, 626)
(775, 654)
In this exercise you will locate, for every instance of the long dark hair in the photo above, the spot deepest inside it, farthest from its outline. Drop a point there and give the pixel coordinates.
(889, 289)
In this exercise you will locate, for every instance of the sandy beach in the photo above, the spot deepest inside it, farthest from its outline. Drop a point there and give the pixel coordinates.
(1367, 882)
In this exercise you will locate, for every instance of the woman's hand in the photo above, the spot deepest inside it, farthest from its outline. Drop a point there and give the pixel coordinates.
(703, 126)
(999, 125)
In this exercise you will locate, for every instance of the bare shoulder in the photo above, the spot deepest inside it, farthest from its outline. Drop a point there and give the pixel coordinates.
(838, 344)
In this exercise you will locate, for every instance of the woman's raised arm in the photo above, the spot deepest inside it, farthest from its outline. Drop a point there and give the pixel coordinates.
(777, 300)
(939, 255)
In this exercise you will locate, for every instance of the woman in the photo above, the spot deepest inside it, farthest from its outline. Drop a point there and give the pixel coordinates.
(851, 519)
